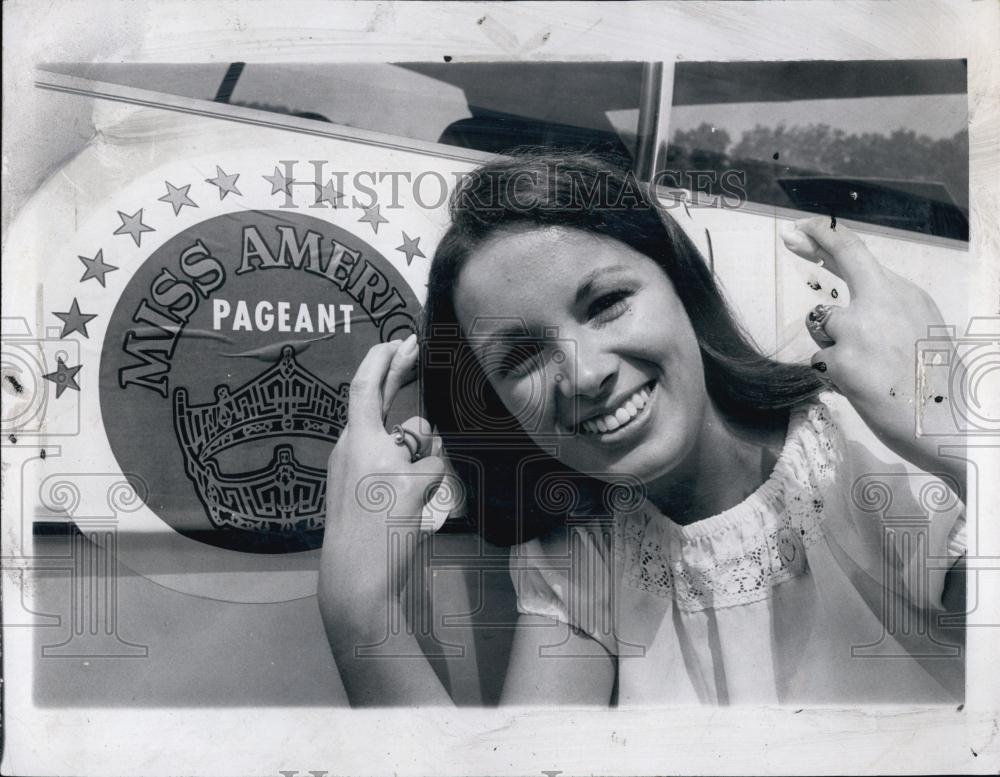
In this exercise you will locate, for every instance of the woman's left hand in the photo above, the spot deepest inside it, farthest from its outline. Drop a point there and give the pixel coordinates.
(868, 349)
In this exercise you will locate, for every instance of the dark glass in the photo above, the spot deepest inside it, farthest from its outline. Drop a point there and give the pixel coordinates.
(880, 142)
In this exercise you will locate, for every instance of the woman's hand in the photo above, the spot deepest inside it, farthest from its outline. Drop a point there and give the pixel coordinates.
(380, 485)
(384, 493)
(868, 348)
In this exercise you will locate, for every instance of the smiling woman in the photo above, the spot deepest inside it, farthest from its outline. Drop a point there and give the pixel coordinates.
(592, 280)
(689, 510)
(615, 320)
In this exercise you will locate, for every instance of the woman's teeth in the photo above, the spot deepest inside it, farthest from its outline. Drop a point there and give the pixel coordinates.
(620, 417)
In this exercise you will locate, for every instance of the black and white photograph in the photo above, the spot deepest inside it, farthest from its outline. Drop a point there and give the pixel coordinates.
(529, 388)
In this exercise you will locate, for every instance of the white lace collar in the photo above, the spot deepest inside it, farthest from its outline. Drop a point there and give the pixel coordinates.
(736, 556)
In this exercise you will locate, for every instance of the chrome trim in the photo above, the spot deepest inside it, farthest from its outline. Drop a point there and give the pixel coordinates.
(647, 145)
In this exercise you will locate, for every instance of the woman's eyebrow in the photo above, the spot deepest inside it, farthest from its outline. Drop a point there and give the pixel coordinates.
(588, 280)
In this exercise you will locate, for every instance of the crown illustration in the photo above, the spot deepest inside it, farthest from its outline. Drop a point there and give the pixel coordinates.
(286, 400)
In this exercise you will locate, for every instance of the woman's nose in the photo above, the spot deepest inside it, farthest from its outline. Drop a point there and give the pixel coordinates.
(584, 369)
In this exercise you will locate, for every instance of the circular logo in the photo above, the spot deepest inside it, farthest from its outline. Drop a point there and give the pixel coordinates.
(225, 368)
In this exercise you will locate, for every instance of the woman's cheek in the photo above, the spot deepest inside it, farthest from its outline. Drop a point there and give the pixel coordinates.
(638, 337)
(672, 343)
(530, 401)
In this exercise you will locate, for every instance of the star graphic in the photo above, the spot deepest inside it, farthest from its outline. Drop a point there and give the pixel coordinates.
(74, 321)
(373, 217)
(132, 225)
(278, 182)
(411, 247)
(64, 377)
(328, 193)
(96, 267)
(178, 197)
(226, 183)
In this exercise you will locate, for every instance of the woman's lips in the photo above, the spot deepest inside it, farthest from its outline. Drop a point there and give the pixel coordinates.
(612, 427)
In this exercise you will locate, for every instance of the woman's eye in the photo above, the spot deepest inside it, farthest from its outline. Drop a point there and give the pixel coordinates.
(609, 306)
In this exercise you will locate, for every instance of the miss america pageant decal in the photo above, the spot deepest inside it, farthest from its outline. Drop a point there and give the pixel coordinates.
(225, 369)
(223, 373)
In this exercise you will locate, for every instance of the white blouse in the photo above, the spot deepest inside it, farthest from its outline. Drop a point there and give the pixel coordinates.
(822, 586)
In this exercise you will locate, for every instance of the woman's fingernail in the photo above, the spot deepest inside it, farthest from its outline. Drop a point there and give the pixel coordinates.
(802, 245)
(792, 238)
(409, 344)
(820, 366)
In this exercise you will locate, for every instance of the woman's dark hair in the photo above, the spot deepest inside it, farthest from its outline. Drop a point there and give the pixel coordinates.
(514, 489)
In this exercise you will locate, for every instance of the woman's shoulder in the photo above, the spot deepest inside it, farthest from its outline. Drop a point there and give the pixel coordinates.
(558, 546)
(563, 575)
(829, 446)
(831, 416)
(814, 447)
(839, 430)
(878, 485)
(827, 437)
(821, 415)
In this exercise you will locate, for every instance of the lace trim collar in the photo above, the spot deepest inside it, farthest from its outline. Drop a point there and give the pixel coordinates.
(736, 556)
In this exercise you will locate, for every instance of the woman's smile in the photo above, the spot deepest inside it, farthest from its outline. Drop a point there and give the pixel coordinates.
(621, 422)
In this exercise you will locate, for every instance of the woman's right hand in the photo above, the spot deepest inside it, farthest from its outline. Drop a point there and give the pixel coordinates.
(375, 491)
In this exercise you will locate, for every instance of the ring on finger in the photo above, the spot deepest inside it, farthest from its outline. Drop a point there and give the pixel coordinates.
(816, 324)
(404, 437)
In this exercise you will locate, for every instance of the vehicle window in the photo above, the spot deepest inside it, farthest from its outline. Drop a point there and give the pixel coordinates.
(880, 142)
(485, 106)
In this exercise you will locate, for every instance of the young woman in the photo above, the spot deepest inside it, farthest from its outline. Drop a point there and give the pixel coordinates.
(691, 509)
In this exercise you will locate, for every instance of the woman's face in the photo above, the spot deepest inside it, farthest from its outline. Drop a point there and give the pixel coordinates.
(587, 344)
